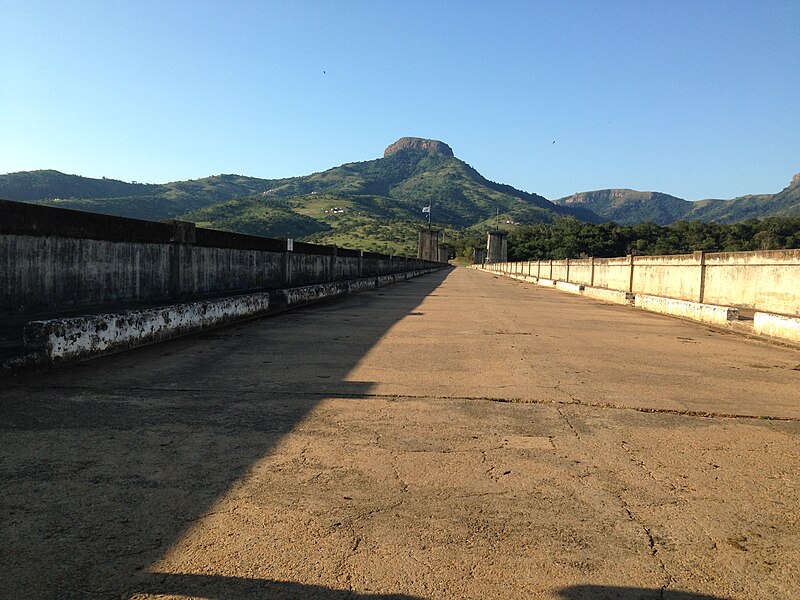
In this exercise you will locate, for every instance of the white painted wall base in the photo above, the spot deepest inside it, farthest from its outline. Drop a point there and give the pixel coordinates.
(59, 340)
(572, 288)
(613, 296)
(705, 313)
(777, 326)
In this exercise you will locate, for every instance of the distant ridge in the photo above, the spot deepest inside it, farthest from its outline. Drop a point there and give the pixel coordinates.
(628, 207)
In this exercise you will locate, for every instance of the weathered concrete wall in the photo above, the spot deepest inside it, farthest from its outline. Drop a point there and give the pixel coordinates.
(765, 280)
(92, 335)
(580, 271)
(613, 273)
(74, 338)
(203, 271)
(673, 276)
(53, 258)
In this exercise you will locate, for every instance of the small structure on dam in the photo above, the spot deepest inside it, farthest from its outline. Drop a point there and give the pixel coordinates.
(428, 243)
(497, 246)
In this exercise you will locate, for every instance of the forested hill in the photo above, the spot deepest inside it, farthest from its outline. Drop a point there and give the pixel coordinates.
(349, 199)
(628, 207)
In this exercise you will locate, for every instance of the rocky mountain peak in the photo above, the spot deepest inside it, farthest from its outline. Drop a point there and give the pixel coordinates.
(432, 146)
(795, 179)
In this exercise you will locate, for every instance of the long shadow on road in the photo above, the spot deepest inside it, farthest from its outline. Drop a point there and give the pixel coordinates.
(609, 592)
(107, 463)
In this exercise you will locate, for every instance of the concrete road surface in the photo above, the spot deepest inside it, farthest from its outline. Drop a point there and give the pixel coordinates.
(456, 436)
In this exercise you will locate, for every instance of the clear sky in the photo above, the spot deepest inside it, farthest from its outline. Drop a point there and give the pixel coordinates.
(697, 99)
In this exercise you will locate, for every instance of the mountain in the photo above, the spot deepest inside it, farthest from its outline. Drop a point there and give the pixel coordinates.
(628, 207)
(376, 204)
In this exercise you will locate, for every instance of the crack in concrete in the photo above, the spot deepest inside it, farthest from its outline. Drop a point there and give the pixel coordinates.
(569, 423)
(638, 462)
(651, 542)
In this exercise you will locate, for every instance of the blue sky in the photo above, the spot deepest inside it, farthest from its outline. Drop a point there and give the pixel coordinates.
(697, 99)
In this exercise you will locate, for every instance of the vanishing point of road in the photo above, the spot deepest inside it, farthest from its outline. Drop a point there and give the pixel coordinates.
(455, 436)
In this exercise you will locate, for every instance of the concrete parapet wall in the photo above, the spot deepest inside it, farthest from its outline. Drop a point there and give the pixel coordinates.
(676, 276)
(768, 280)
(777, 326)
(59, 340)
(53, 258)
(612, 273)
(581, 271)
(559, 270)
(706, 313)
(764, 280)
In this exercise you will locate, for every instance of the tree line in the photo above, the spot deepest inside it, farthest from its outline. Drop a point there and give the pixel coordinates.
(570, 238)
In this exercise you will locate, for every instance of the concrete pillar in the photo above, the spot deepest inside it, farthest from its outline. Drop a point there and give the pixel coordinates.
(630, 273)
(182, 237)
(700, 257)
(333, 264)
(497, 246)
(444, 254)
(287, 262)
(591, 276)
(428, 244)
(567, 275)
(478, 256)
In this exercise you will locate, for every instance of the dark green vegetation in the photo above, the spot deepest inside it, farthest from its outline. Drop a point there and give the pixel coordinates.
(628, 207)
(373, 205)
(569, 238)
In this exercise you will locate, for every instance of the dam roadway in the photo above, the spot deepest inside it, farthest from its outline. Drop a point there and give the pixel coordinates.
(458, 435)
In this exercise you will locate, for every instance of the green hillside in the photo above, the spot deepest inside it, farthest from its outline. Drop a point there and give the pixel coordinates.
(785, 203)
(377, 204)
(629, 207)
(28, 186)
(374, 205)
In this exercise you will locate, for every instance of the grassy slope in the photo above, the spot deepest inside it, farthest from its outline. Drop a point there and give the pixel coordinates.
(377, 205)
(785, 203)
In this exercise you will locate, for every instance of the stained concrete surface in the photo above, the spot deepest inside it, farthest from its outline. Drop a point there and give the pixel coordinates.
(458, 435)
